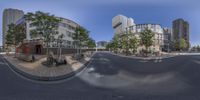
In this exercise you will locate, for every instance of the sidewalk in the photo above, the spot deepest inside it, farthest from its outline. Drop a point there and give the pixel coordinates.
(39, 70)
(164, 56)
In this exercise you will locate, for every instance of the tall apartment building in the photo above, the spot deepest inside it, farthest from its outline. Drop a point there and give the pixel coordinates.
(181, 30)
(10, 16)
(122, 24)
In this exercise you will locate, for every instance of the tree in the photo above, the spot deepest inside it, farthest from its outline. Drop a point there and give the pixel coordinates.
(176, 45)
(183, 44)
(115, 42)
(46, 25)
(146, 38)
(80, 36)
(124, 43)
(198, 48)
(134, 43)
(91, 43)
(59, 42)
(10, 34)
(15, 35)
(109, 46)
(20, 34)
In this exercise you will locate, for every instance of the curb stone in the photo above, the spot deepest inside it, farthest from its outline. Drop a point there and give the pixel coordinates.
(142, 58)
(41, 78)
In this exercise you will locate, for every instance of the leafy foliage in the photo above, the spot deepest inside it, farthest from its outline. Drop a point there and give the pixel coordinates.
(146, 38)
(10, 34)
(46, 26)
(180, 44)
(134, 43)
(124, 42)
(91, 43)
(176, 45)
(15, 34)
(81, 36)
(183, 44)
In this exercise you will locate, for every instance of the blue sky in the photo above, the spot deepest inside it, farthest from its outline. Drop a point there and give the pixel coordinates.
(96, 15)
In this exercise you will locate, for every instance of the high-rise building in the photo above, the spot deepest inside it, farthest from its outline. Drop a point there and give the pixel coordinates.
(181, 30)
(120, 24)
(10, 16)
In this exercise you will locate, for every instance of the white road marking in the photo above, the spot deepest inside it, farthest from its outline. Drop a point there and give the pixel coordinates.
(143, 61)
(91, 69)
(98, 75)
(160, 59)
(1, 63)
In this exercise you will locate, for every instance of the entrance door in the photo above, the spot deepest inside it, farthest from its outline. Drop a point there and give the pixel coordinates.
(38, 49)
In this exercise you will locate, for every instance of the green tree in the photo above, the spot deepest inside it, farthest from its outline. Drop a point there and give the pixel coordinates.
(91, 43)
(124, 43)
(183, 44)
(20, 35)
(115, 43)
(198, 48)
(146, 38)
(10, 34)
(176, 45)
(15, 35)
(46, 25)
(59, 42)
(81, 37)
(134, 43)
(109, 46)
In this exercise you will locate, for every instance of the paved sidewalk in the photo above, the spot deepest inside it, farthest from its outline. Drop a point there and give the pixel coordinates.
(164, 56)
(37, 69)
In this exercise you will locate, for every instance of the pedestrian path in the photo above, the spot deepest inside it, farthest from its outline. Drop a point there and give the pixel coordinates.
(38, 69)
(146, 58)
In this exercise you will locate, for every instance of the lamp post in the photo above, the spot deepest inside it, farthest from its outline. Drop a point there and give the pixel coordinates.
(168, 47)
(127, 37)
(127, 28)
(77, 46)
(96, 49)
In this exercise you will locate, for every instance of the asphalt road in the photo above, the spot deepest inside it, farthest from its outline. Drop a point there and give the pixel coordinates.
(111, 77)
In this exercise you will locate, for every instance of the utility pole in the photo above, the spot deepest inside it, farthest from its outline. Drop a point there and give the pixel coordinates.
(77, 46)
(96, 47)
(168, 47)
(127, 37)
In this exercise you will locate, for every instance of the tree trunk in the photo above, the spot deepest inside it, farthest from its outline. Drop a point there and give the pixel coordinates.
(146, 52)
(60, 52)
(47, 47)
(15, 51)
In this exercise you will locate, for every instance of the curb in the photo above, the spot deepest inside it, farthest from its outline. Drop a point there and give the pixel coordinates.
(41, 78)
(142, 58)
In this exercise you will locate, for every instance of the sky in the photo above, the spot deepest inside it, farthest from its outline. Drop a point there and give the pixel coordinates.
(96, 15)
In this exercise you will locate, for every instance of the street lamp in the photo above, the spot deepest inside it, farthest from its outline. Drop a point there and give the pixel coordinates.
(77, 46)
(168, 47)
(127, 29)
(96, 47)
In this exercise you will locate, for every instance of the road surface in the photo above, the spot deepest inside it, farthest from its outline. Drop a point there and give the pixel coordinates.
(111, 77)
